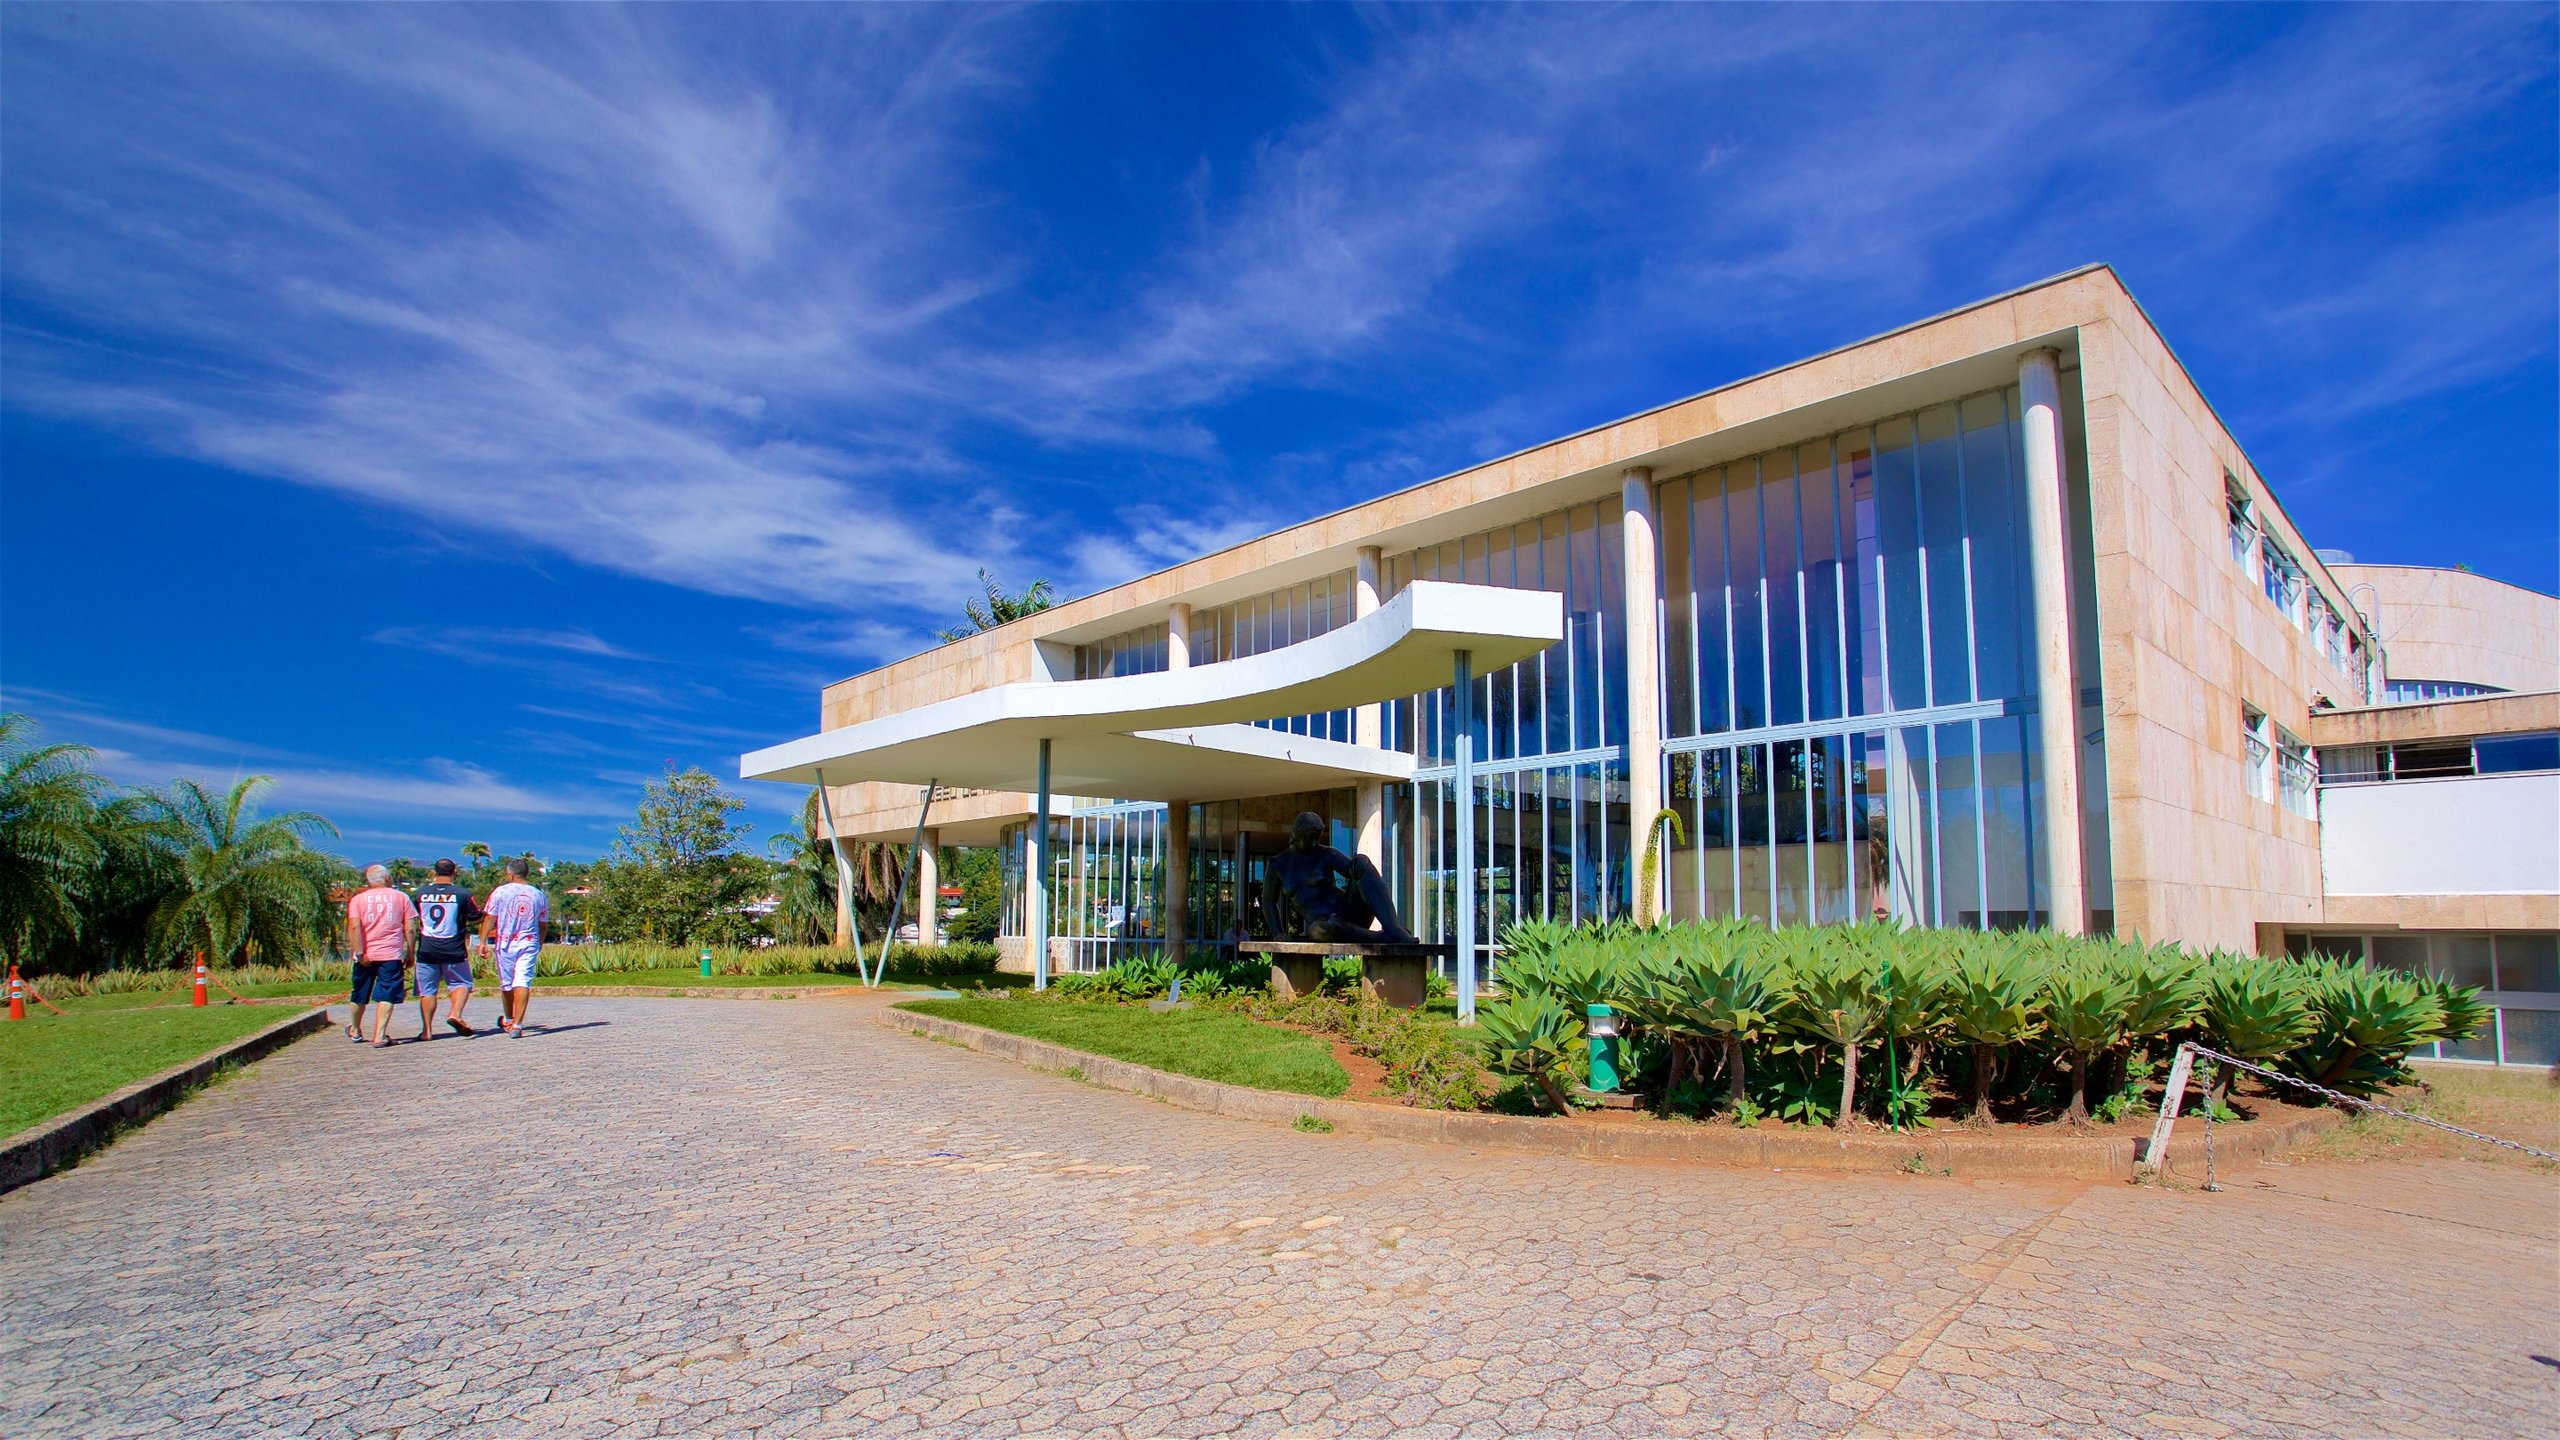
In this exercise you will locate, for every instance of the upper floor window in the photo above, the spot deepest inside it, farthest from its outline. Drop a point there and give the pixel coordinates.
(2282, 577)
(2401, 692)
(2454, 759)
(2243, 521)
(2297, 774)
(2257, 743)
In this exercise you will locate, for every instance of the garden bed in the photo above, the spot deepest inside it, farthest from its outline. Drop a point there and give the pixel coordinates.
(2097, 1153)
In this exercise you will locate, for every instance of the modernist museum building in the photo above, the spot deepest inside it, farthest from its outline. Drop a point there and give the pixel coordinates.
(1988, 621)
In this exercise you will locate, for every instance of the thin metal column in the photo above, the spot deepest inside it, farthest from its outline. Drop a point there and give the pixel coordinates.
(844, 885)
(1464, 783)
(1036, 875)
(906, 877)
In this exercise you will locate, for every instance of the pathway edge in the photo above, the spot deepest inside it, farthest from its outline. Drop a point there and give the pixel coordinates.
(43, 1147)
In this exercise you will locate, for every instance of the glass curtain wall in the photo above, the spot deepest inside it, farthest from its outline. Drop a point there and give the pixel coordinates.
(1231, 632)
(1848, 682)
(1550, 781)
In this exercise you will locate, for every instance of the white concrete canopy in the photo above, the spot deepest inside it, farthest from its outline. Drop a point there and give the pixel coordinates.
(1177, 734)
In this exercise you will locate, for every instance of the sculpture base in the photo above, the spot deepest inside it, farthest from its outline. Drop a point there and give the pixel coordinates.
(1391, 973)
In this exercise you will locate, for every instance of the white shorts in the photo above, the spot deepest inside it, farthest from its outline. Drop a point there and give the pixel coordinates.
(515, 966)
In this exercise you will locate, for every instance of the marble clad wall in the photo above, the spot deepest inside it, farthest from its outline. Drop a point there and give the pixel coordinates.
(2186, 637)
(2454, 625)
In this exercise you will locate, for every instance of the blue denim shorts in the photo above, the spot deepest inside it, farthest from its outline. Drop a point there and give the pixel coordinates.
(438, 976)
(379, 983)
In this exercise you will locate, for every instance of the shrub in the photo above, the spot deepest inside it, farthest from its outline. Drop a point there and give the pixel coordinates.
(1532, 1035)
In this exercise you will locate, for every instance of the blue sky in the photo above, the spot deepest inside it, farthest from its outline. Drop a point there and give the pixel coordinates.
(460, 412)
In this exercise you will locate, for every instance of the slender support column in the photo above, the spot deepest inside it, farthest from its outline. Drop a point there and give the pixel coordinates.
(1643, 601)
(916, 865)
(929, 887)
(1369, 835)
(2057, 690)
(1463, 784)
(1035, 878)
(1177, 877)
(847, 931)
(1177, 636)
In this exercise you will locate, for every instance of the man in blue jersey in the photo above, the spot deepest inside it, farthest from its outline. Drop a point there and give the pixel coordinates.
(446, 916)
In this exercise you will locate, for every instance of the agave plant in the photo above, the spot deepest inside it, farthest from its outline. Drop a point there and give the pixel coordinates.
(2367, 1022)
(2163, 992)
(1532, 1036)
(1528, 953)
(1707, 984)
(2084, 1002)
(2250, 1012)
(2464, 1012)
(1992, 1006)
(1834, 999)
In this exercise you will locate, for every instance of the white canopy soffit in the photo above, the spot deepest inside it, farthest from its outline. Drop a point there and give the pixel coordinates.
(1182, 734)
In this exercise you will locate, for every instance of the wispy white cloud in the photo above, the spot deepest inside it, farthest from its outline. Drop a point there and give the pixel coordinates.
(500, 646)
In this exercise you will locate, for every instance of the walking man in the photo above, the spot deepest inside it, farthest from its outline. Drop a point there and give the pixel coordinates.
(446, 915)
(513, 928)
(381, 926)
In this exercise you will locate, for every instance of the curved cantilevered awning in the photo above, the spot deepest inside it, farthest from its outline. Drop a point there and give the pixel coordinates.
(1182, 734)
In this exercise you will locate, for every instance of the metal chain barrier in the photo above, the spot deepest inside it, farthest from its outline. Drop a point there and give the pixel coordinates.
(2336, 1097)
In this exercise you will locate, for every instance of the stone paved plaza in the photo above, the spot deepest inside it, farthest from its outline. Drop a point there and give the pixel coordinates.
(674, 1217)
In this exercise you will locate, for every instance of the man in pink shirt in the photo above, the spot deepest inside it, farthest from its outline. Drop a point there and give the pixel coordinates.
(382, 925)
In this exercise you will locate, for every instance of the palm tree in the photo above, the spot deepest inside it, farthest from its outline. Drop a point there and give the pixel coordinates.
(244, 880)
(48, 844)
(999, 608)
(810, 871)
(805, 890)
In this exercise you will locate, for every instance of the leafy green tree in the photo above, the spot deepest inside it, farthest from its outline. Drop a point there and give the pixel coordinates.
(244, 881)
(676, 876)
(49, 850)
(1000, 608)
(980, 875)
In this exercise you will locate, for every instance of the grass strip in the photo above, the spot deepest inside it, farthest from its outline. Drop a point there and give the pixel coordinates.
(55, 1063)
(694, 980)
(1204, 1043)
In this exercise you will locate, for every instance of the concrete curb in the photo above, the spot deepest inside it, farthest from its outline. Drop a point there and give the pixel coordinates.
(42, 1148)
(1969, 1156)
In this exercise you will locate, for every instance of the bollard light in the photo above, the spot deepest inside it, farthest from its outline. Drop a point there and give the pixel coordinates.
(1601, 1025)
(706, 962)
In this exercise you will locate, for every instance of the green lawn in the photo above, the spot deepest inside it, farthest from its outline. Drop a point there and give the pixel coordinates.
(51, 1063)
(1206, 1043)
(335, 989)
(693, 980)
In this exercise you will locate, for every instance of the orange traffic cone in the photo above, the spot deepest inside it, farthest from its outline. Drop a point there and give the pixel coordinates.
(199, 977)
(17, 996)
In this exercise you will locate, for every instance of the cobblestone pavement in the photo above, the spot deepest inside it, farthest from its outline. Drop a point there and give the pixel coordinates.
(776, 1218)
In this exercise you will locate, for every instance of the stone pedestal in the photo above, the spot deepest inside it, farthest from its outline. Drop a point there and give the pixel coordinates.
(1398, 980)
(1293, 976)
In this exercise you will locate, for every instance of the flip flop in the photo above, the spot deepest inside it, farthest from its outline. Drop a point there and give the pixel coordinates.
(458, 1027)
